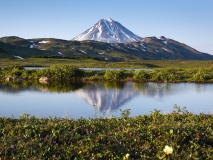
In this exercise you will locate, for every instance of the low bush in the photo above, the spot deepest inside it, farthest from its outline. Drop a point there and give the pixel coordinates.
(166, 74)
(202, 75)
(141, 75)
(67, 72)
(61, 72)
(116, 74)
(177, 135)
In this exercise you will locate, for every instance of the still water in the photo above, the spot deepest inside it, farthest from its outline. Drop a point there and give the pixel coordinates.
(95, 69)
(102, 99)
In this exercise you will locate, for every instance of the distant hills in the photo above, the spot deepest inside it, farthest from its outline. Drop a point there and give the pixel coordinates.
(107, 40)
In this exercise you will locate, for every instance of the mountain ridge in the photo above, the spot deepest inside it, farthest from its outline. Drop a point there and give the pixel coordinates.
(147, 48)
(107, 40)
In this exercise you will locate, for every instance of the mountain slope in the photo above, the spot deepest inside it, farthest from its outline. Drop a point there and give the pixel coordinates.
(16, 47)
(108, 30)
(150, 48)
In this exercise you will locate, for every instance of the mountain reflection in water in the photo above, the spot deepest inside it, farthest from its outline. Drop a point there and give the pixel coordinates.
(106, 97)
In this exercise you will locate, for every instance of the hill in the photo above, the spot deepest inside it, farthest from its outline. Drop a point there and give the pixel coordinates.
(148, 48)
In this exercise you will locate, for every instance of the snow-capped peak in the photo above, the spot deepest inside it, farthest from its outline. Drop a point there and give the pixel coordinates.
(162, 38)
(109, 19)
(108, 30)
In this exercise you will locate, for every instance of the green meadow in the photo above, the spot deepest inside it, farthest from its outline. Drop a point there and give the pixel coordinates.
(88, 62)
(176, 135)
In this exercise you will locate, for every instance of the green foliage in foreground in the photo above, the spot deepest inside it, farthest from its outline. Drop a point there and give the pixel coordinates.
(178, 135)
(68, 72)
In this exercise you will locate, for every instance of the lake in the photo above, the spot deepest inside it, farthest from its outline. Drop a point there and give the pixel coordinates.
(94, 69)
(96, 99)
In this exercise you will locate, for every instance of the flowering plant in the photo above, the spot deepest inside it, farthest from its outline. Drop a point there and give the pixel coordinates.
(168, 150)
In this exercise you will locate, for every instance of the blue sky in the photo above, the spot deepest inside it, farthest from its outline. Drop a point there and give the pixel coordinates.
(187, 21)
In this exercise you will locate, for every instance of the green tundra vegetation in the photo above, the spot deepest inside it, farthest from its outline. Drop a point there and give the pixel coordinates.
(68, 72)
(176, 135)
(91, 62)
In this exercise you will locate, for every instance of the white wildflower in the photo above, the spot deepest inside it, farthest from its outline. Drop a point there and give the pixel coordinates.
(168, 150)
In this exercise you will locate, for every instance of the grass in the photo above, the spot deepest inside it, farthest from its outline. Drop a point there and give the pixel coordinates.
(82, 62)
(177, 135)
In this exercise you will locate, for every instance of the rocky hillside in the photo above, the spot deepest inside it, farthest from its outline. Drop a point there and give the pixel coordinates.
(146, 48)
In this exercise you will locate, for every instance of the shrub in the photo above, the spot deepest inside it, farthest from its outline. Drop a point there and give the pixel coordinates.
(117, 74)
(167, 74)
(178, 135)
(61, 72)
(202, 75)
(67, 72)
(141, 75)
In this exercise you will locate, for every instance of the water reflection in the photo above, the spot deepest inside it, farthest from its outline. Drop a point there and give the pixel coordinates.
(107, 96)
(59, 87)
(104, 97)
(159, 89)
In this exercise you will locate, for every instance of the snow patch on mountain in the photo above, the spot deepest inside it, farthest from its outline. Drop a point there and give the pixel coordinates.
(33, 45)
(165, 49)
(19, 57)
(165, 42)
(109, 19)
(170, 46)
(162, 38)
(133, 48)
(101, 53)
(44, 42)
(142, 44)
(82, 51)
